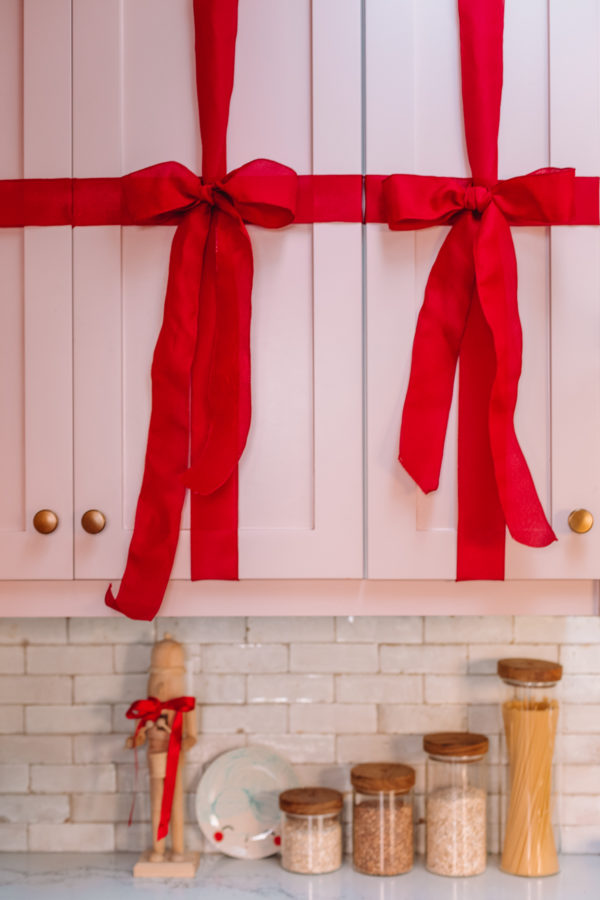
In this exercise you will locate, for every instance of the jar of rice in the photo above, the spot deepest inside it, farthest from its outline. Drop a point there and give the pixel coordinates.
(382, 818)
(455, 809)
(311, 830)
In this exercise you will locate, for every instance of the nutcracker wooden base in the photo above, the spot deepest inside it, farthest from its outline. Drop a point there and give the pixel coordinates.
(185, 867)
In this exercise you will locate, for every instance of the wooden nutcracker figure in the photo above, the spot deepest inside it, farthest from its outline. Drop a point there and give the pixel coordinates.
(167, 723)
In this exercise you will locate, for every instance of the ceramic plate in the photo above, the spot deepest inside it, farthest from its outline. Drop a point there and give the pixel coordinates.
(237, 801)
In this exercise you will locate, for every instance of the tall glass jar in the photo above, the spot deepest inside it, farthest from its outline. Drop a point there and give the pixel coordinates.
(530, 719)
(311, 830)
(456, 804)
(382, 818)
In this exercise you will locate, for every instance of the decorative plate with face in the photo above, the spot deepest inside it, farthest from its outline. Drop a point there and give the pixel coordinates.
(237, 801)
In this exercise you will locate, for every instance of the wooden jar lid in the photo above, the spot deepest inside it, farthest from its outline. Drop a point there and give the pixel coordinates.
(311, 801)
(530, 671)
(455, 743)
(370, 778)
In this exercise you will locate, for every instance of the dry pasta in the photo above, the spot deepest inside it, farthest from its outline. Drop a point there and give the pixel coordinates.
(530, 729)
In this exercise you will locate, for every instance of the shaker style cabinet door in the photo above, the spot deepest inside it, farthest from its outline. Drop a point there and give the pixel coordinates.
(550, 116)
(296, 99)
(36, 435)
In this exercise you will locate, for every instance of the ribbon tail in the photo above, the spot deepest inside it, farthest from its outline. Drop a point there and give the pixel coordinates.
(171, 775)
(158, 514)
(496, 268)
(436, 348)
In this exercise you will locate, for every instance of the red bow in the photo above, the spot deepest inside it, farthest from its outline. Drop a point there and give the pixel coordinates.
(149, 710)
(205, 341)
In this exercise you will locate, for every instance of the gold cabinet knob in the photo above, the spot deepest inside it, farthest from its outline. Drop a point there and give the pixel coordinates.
(45, 521)
(93, 521)
(580, 520)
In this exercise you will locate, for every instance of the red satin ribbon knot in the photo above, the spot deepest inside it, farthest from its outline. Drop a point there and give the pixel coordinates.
(205, 342)
(150, 710)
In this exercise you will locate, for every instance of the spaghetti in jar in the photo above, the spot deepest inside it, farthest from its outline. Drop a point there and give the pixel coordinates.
(530, 717)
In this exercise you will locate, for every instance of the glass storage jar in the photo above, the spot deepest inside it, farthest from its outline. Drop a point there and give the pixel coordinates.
(530, 719)
(456, 803)
(311, 830)
(382, 818)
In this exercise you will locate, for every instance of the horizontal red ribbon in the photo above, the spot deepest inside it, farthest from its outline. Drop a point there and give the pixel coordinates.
(150, 710)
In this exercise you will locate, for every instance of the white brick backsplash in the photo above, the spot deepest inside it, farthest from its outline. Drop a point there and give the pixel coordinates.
(247, 719)
(578, 658)
(580, 718)
(580, 810)
(331, 776)
(580, 839)
(558, 629)
(325, 718)
(35, 748)
(12, 660)
(73, 779)
(457, 689)
(120, 723)
(379, 688)
(71, 838)
(13, 837)
(419, 719)
(290, 689)
(33, 631)
(68, 720)
(109, 807)
(14, 779)
(209, 746)
(110, 688)
(579, 689)
(468, 629)
(581, 779)
(483, 658)
(290, 629)
(103, 748)
(380, 629)
(204, 630)
(425, 660)
(246, 658)
(132, 658)
(134, 838)
(333, 658)
(11, 719)
(485, 718)
(69, 660)
(35, 689)
(358, 748)
(220, 688)
(35, 808)
(299, 748)
(110, 630)
(579, 748)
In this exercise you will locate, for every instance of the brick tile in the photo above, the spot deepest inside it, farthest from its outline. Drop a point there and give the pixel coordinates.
(419, 719)
(248, 719)
(220, 688)
(426, 660)
(483, 658)
(109, 688)
(34, 808)
(333, 658)
(468, 629)
(471, 689)
(14, 779)
(579, 748)
(11, 719)
(558, 629)
(13, 837)
(134, 838)
(290, 688)
(69, 660)
(580, 689)
(379, 688)
(73, 779)
(380, 629)
(580, 810)
(290, 629)
(332, 718)
(110, 808)
(358, 748)
(71, 838)
(35, 689)
(12, 660)
(581, 718)
(299, 748)
(580, 839)
(33, 631)
(132, 658)
(35, 749)
(246, 658)
(204, 629)
(67, 719)
(102, 748)
(331, 776)
(110, 630)
(580, 658)
(580, 779)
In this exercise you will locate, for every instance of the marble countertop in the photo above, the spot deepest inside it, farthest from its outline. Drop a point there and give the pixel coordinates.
(107, 876)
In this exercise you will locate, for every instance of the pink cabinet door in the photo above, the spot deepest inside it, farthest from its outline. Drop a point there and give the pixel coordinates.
(297, 99)
(35, 296)
(550, 116)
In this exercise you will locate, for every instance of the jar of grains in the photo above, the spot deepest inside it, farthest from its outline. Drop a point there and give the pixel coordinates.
(530, 724)
(455, 809)
(382, 818)
(311, 830)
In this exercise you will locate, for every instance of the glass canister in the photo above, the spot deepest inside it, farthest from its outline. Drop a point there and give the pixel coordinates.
(311, 830)
(382, 818)
(530, 725)
(456, 804)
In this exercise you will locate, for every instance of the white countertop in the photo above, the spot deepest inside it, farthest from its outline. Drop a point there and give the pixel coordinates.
(107, 876)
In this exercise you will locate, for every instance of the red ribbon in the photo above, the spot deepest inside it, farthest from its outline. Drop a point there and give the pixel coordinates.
(149, 710)
(470, 312)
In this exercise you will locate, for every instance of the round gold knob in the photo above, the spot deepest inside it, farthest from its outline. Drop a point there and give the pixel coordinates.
(45, 521)
(581, 520)
(93, 521)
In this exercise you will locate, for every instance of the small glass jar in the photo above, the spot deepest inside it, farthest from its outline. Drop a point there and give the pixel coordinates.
(382, 818)
(311, 830)
(529, 845)
(456, 804)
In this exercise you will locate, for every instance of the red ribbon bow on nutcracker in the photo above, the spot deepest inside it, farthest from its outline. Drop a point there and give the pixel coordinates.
(150, 710)
(470, 311)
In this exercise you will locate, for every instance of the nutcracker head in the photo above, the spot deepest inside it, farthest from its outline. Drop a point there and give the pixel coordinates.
(167, 670)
